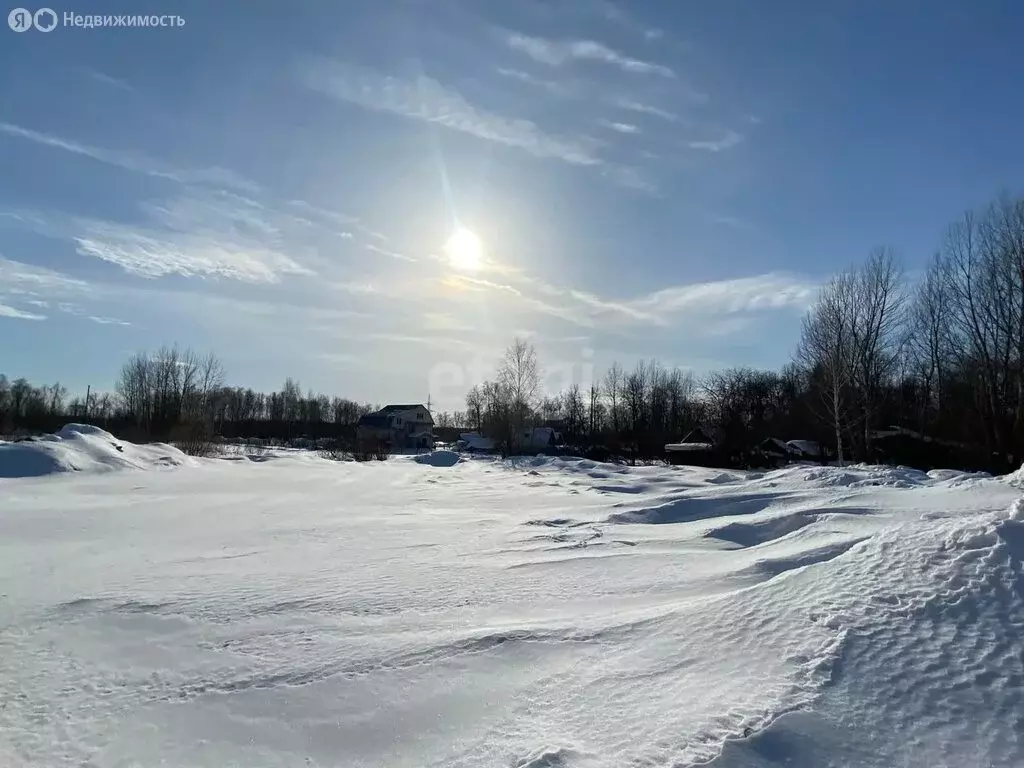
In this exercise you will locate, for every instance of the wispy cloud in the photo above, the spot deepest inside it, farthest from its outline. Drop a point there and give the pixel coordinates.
(356, 288)
(44, 288)
(428, 100)
(17, 314)
(618, 15)
(728, 141)
(712, 301)
(389, 253)
(562, 89)
(150, 253)
(37, 282)
(605, 305)
(646, 109)
(557, 52)
(630, 178)
(107, 320)
(335, 218)
(478, 283)
(137, 162)
(107, 80)
(525, 77)
(220, 211)
(619, 127)
(745, 294)
(202, 233)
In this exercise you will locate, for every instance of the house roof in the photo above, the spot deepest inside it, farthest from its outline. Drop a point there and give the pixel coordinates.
(698, 435)
(476, 442)
(686, 447)
(374, 420)
(806, 447)
(776, 445)
(395, 408)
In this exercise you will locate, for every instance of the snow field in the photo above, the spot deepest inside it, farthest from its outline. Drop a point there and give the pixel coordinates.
(537, 612)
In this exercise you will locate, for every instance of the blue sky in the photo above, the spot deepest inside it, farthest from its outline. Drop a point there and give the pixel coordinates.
(277, 183)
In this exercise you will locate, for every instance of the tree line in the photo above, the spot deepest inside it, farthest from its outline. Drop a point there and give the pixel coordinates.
(174, 393)
(938, 361)
(932, 371)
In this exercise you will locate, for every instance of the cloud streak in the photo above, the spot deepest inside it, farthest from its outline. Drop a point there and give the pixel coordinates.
(206, 234)
(619, 127)
(153, 254)
(551, 86)
(769, 291)
(107, 320)
(389, 253)
(107, 80)
(714, 301)
(17, 314)
(135, 162)
(38, 282)
(557, 52)
(427, 100)
(728, 141)
(647, 109)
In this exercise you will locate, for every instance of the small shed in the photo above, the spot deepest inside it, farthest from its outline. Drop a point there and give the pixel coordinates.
(696, 449)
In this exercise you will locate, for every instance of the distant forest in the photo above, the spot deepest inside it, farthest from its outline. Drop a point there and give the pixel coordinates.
(939, 361)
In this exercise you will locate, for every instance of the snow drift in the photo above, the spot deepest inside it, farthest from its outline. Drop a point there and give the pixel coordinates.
(542, 612)
(82, 448)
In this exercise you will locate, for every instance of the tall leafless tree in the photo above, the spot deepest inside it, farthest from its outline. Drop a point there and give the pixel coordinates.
(613, 382)
(826, 351)
(519, 378)
(877, 311)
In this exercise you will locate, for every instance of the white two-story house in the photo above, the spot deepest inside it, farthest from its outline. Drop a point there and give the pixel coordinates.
(401, 427)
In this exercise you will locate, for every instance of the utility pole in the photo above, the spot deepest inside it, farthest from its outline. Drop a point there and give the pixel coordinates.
(88, 391)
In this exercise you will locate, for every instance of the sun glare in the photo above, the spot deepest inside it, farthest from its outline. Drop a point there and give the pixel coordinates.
(464, 250)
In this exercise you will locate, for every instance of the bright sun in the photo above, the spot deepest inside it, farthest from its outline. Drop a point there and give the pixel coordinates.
(464, 249)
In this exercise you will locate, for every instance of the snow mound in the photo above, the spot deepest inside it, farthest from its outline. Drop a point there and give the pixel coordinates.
(82, 448)
(438, 459)
(850, 476)
(928, 666)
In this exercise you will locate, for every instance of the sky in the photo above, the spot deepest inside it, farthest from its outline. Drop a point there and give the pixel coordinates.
(277, 183)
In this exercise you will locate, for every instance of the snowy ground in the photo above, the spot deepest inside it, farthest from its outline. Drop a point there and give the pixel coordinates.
(293, 611)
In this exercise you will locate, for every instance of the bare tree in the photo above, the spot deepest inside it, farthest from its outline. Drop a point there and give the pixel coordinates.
(825, 350)
(613, 382)
(135, 389)
(519, 377)
(210, 380)
(679, 392)
(929, 340)
(55, 395)
(475, 407)
(983, 267)
(877, 310)
(594, 411)
(5, 404)
(575, 411)
(635, 391)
